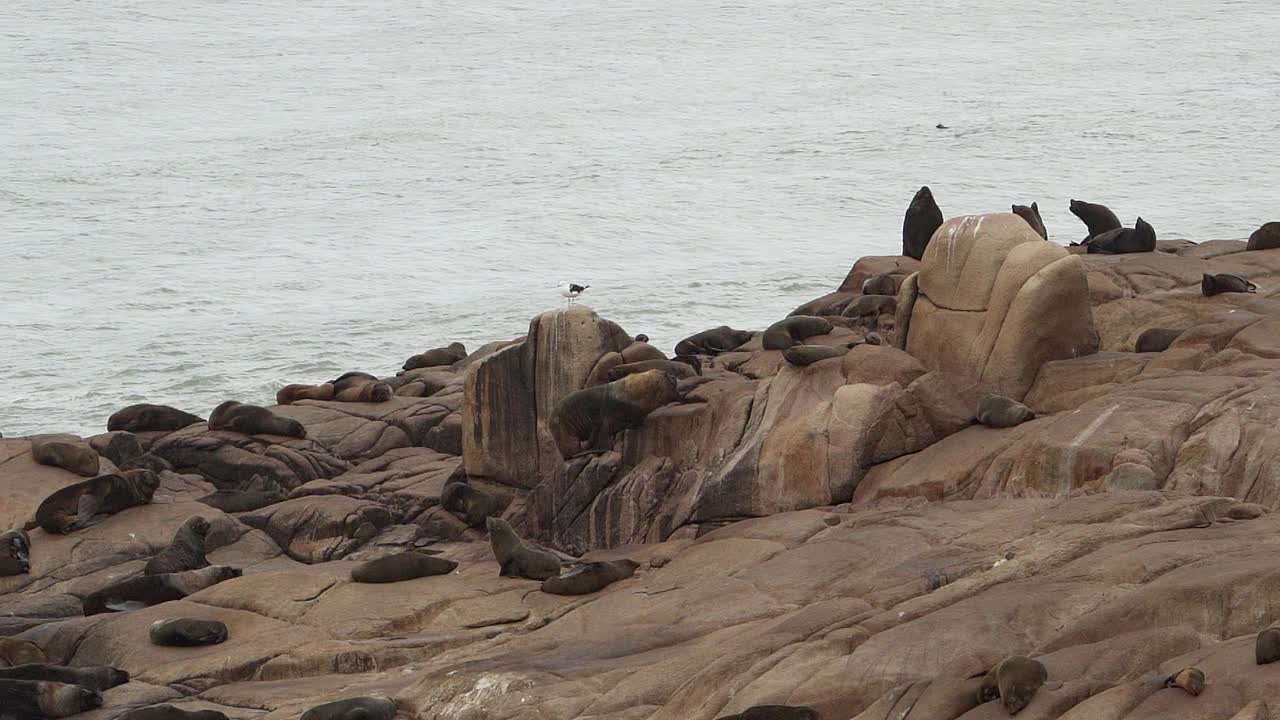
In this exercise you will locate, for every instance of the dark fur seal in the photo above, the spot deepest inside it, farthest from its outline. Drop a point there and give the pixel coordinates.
(922, 220)
(236, 501)
(68, 454)
(594, 415)
(1014, 681)
(713, 342)
(998, 411)
(186, 552)
(290, 394)
(882, 284)
(438, 357)
(692, 361)
(473, 504)
(253, 420)
(151, 418)
(1098, 218)
(1139, 238)
(1267, 648)
(120, 447)
(94, 678)
(642, 338)
(359, 708)
(641, 351)
(147, 590)
(678, 370)
(587, 578)
(868, 309)
(20, 652)
(400, 567)
(1211, 285)
(360, 387)
(1266, 237)
(776, 712)
(170, 712)
(38, 700)
(1156, 339)
(518, 558)
(805, 355)
(1032, 216)
(1190, 679)
(187, 632)
(15, 553)
(794, 330)
(77, 506)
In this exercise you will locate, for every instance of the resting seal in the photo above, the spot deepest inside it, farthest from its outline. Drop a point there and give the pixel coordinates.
(677, 369)
(20, 652)
(187, 632)
(359, 708)
(185, 552)
(594, 415)
(882, 284)
(713, 342)
(775, 712)
(1211, 285)
(473, 504)
(169, 712)
(518, 558)
(15, 553)
(94, 678)
(438, 357)
(1266, 237)
(922, 220)
(236, 501)
(253, 420)
(59, 451)
(37, 700)
(868, 309)
(1032, 216)
(151, 418)
(76, 506)
(1267, 648)
(998, 411)
(149, 590)
(1014, 681)
(1139, 238)
(1098, 218)
(1156, 339)
(794, 330)
(290, 394)
(587, 578)
(805, 355)
(1190, 679)
(360, 387)
(403, 566)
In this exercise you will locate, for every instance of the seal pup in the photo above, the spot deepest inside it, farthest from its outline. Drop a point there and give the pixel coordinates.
(1190, 679)
(357, 708)
(473, 504)
(290, 394)
(146, 417)
(147, 590)
(1014, 681)
(881, 284)
(1032, 216)
(1211, 285)
(403, 566)
(717, 340)
(38, 699)
(794, 330)
(1097, 218)
(68, 454)
(775, 712)
(20, 652)
(1156, 339)
(595, 414)
(998, 411)
(15, 553)
(253, 420)
(80, 505)
(360, 387)
(185, 552)
(187, 632)
(922, 220)
(1137, 239)
(437, 357)
(100, 678)
(170, 712)
(587, 578)
(518, 558)
(1267, 648)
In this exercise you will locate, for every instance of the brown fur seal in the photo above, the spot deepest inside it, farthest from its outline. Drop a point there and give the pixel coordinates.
(998, 411)
(1098, 218)
(868, 309)
(120, 447)
(400, 567)
(185, 552)
(1014, 681)
(1032, 216)
(151, 418)
(713, 342)
(794, 330)
(805, 355)
(236, 501)
(147, 590)
(776, 712)
(38, 700)
(1266, 237)
(879, 285)
(594, 415)
(79, 505)
(438, 357)
(1190, 679)
(361, 387)
(678, 370)
(1211, 285)
(587, 578)
(63, 452)
(692, 361)
(95, 678)
(187, 632)
(1139, 238)
(1267, 648)
(641, 351)
(20, 652)
(642, 338)
(1156, 339)
(290, 394)
(518, 558)
(471, 503)
(359, 708)
(922, 220)
(253, 420)
(170, 712)
(15, 553)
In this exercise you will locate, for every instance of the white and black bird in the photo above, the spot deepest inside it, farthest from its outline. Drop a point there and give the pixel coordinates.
(571, 291)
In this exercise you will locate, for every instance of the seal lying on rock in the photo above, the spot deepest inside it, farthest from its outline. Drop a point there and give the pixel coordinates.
(95, 678)
(868, 309)
(253, 420)
(169, 712)
(805, 355)
(400, 567)
(793, 330)
(1190, 679)
(359, 708)
(594, 415)
(518, 558)
(290, 394)
(1014, 681)
(145, 417)
(236, 501)
(187, 632)
(66, 453)
(882, 284)
(76, 506)
(1266, 237)
(1098, 218)
(713, 342)
(775, 712)
(360, 387)
(1137, 239)
(1211, 285)
(1032, 216)
(36, 700)
(185, 552)
(678, 370)
(922, 220)
(587, 578)
(148, 590)
(439, 357)
(473, 504)
(20, 652)
(998, 411)
(1156, 339)
(15, 553)
(1267, 648)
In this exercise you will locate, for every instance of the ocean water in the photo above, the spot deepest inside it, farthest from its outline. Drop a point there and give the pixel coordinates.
(205, 201)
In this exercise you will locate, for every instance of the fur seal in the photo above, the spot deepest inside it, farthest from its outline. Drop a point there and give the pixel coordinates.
(358, 708)
(1139, 238)
(187, 632)
(882, 284)
(438, 357)
(37, 700)
(922, 220)
(1014, 681)
(1267, 648)
(518, 558)
(692, 361)
(472, 503)
(1211, 285)
(998, 411)
(360, 387)
(1156, 339)
(587, 578)
(868, 309)
(253, 420)
(400, 567)
(1190, 679)
(145, 417)
(677, 369)
(794, 330)
(1266, 237)
(75, 506)
(15, 553)
(1032, 216)
(98, 678)
(806, 355)
(1098, 218)
(594, 415)
(290, 394)
(642, 338)
(185, 552)
(236, 501)
(775, 712)
(60, 451)
(170, 712)
(20, 652)
(120, 447)
(149, 590)
(713, 342)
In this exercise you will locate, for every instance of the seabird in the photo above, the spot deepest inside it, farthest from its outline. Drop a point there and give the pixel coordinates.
(571, 290)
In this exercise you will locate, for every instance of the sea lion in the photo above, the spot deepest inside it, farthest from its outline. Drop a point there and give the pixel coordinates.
(998, 411)
(358, 708)
(1190, 679)
(403, 566)
(237, 501)
(187, 632)
(713, 342)
(1032, 216)
(290, 394)
(438, 357)
(776, 712)
(1098, 218)
(1156, 339)
(361, 387)
(471, 503)
(145, 417)
(518, 558)
(594, 415)
(868, 309)
(77, 506)
(1014, 681)
(882, 284)
(185, 552)
(147, 590)
(68, 454)
(38, 700)
(1267, 648)
(1139, 238)
(1211, 285)
(98, 678)
(1266, 237)
(20, 652)
(253, 420)
(587, 578)
(170, 712)
(922, 220)
(793, 330)
(677, 369)
(15, 553)
(805, 355)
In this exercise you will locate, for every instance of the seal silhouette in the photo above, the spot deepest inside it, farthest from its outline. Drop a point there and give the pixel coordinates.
(147, 590)
(882, 284)
(98, 678)
(473, 504)
(184, 552)
(677, 369)
(590, 577)
(80, 505)
(1211, 285)
(236, 501)
(713, 342)
(1267, 647)
(794, 330)
(360, 387)
(998, 411)
(922, 220)
(1097, 218)
(187, 632)
(15, 553)
(145, 417)
(1014, 681)
(253, 420)
(1137, 239)
(1032, 216)
(65, 452)
(290, 394)
(1157, 339)
(595, 414)
(359, 708)
(403, 566)
(518, 558)
(1190, 679)
(437, 357)
(38, 699)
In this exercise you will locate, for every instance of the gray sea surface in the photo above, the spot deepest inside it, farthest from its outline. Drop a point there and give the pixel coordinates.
(202, 201)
